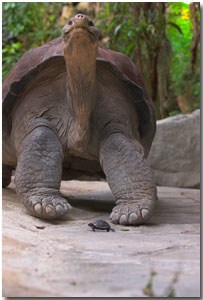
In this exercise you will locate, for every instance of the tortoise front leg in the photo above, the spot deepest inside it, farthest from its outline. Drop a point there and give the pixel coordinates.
(38, 174)
(129, 177)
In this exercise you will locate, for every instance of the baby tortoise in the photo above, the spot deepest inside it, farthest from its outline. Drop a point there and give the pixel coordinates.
(101, 225)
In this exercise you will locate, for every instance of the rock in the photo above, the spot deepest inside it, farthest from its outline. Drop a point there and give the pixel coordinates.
(175, 152)
(65, 258)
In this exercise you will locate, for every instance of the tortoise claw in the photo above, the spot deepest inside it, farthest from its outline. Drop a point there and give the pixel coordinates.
(47, 207)
(130, 215)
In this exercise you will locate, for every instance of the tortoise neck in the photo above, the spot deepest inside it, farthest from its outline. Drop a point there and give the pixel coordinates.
(81, 79)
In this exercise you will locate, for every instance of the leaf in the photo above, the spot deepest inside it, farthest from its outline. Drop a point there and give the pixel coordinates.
(108, 28)
(175, 26)
(51, 18)
(108, 9)
(117, 28)
(17, 45)
(130, 46)
(171, 293)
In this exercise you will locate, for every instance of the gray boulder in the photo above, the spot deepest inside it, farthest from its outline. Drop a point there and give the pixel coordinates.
(175, 152)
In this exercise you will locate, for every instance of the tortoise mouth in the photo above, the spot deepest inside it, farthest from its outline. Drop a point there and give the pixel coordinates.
(77, 29)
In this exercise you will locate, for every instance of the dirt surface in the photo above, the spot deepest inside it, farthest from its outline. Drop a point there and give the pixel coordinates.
(67, 259)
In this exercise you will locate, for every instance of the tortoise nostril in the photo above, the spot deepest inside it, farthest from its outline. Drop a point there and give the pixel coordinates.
(80, 16)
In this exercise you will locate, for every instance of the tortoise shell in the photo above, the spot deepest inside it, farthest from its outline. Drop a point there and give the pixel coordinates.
(100, 225)
(37, 59)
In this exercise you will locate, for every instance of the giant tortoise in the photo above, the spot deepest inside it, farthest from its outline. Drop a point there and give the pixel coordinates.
(73, 107)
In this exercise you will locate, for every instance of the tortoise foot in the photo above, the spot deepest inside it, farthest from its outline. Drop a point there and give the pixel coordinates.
(131, 214)
(47, 207)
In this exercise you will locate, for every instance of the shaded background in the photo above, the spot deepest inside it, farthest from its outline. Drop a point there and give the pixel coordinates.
(163, 39)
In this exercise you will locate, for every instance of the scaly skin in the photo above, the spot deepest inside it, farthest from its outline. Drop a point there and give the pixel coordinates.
(130, 179)
(38, 174)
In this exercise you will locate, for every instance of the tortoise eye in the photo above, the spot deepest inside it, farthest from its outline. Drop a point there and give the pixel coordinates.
(69, 23)
(91, 23)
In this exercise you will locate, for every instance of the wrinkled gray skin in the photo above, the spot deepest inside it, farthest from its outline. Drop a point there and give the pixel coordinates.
(80, 115)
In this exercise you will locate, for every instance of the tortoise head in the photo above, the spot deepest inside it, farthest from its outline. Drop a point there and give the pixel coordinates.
(91, 225)
(79, 31)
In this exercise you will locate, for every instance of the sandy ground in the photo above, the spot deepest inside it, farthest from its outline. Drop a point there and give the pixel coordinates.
(67, 259)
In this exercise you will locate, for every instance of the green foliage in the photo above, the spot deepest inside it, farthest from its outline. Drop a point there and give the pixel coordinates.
(183, 80)
(181, 44)
(148, 289)
(11, 53)
(128, 31)
(27, 25)
(170, 290)
(115, 21)
(174, 113)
